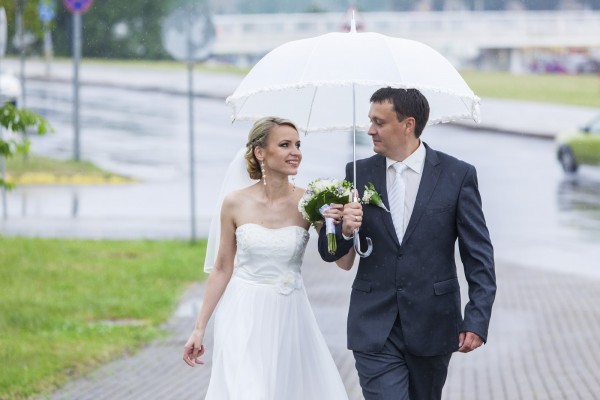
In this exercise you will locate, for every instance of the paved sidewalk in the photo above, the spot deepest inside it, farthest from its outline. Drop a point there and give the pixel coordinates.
(542, 344)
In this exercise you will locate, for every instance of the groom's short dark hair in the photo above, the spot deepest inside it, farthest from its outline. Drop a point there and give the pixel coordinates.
(407, 103)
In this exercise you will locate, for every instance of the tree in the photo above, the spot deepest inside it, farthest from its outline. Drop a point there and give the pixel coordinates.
(17, 122)
(541, 4)
(31, 22)
(116, 29)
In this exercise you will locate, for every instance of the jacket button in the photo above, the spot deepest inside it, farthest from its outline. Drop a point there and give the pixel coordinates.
(400, 289)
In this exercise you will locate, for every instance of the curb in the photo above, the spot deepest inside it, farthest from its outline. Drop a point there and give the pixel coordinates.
(44, 178)
(505, 130)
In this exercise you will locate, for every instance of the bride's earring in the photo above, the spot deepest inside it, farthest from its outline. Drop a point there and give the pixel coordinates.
(264, 174)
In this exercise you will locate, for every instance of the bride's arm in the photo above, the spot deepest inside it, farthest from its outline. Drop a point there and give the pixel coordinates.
(215, 286)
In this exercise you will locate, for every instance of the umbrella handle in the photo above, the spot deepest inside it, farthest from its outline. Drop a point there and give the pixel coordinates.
(369, 250)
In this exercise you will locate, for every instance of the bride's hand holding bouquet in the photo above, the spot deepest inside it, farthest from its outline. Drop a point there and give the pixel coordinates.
(319, 196)
(319, 204)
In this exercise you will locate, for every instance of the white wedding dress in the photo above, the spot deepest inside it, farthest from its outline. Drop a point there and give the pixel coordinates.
(267, 343)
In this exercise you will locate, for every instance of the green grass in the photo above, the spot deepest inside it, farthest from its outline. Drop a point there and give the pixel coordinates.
(56, 297)
(166, 64)
(580, 90)
(35, 163)
(44, 170)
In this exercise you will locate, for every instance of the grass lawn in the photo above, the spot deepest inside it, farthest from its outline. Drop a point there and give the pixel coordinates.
(163, 64)
(579, 90)
(68, 305)
(43, 170)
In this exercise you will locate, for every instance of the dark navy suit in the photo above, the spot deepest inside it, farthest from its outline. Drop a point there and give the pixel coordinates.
(411, 288)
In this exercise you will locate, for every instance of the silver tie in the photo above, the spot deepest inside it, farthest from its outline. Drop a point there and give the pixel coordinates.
(397, 195)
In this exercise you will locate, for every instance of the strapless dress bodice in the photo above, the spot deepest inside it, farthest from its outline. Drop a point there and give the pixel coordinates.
(271, 256)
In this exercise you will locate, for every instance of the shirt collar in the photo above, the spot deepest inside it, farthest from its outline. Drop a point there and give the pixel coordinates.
(415, 161)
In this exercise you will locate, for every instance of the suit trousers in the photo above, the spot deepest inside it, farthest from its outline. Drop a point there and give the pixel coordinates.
(395, 374)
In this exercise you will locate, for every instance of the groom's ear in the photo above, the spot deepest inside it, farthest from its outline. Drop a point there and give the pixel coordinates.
(410, 124)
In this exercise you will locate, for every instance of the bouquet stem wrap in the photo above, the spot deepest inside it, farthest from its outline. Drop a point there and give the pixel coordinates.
(330, 230)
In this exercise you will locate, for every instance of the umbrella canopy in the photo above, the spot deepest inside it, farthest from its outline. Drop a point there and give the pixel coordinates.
(311, 81)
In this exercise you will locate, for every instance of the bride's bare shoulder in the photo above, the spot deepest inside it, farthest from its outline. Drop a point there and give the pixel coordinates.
(237, 197)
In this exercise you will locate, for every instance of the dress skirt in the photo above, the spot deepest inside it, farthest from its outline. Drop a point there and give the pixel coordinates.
(268, 346)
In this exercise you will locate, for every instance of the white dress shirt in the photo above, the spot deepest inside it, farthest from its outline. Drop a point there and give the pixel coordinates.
(412, 179)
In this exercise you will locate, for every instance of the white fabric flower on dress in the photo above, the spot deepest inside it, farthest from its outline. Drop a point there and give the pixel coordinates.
(288, 282)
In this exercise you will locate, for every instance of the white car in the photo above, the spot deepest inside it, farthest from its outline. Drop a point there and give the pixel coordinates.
(10, 88)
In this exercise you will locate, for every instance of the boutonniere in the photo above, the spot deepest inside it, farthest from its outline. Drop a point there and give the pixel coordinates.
(370, 196)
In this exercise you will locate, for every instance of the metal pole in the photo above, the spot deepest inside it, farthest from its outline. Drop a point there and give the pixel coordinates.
(357, 248)
(47, 48)
(2, 159)
(190, 66)
(21, 35)
(354, 195)
(3, 168)
(76, 57)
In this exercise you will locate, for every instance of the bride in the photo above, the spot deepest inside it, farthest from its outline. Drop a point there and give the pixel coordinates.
(267, 345)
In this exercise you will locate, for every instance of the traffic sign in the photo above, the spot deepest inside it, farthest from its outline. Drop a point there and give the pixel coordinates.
(46, 10)
(77, 6)
(188, 34)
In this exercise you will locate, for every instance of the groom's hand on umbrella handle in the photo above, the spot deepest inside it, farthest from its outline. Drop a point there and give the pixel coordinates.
(351, 218)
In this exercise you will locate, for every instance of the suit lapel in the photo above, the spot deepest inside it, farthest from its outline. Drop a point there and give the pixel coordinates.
(431, 173)
(379, 179)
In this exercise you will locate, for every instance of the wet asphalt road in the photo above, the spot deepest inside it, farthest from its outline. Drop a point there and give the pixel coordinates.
(537, 216)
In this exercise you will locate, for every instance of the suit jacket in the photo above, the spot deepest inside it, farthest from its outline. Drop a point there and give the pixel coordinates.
(417, 279)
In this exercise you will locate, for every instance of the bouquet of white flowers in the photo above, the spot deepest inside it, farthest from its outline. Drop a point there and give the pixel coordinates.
(323, 192)
(319, 195)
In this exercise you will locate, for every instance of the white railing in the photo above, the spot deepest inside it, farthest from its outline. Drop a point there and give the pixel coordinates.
(260, 33)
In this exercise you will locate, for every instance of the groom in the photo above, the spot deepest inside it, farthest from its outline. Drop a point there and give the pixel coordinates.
(405, 317)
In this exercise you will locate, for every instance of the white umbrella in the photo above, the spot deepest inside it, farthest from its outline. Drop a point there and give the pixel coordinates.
(311, 81)
(325, 83)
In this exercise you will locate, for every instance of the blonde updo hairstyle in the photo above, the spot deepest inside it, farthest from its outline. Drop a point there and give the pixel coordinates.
(258, 137)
